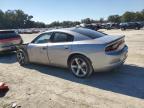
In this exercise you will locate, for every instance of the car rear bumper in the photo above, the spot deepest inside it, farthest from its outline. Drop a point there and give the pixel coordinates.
(114, 60)
(110, 67)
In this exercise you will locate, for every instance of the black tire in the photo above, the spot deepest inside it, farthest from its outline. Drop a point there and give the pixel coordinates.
(22, 57)
(123, 28)
(137, 28)
(87, 67)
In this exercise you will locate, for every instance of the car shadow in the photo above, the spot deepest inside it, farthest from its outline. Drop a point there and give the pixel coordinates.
(8, 58)
(128, 80)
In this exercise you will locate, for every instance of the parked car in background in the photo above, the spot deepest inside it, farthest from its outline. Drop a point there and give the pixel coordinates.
(8, 40)
(35, 31)
(103, 25)
(141, 23)
(90, 26)
(130, 25)
(110, 26)
(83, 51)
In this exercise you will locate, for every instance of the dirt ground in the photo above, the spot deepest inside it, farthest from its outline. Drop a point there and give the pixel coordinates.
(38, 86)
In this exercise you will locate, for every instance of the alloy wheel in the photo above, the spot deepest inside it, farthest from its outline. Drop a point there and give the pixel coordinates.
(20, 57)
(79, 67)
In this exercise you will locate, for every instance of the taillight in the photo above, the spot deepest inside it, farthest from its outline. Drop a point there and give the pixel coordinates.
(114, 46)
(10, 39)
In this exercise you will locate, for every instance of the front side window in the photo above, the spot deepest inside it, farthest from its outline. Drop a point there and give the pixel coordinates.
(43, 38)
(62, 37)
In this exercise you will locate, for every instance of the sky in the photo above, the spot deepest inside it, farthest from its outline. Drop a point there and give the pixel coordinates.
(48, 11)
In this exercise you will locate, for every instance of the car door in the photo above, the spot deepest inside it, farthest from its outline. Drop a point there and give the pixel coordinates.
(60, 48)
(38, 49)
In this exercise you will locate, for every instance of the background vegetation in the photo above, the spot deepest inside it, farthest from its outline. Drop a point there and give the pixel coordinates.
(14, 19)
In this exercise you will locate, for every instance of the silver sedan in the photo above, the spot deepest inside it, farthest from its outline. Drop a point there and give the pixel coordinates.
(83, 51)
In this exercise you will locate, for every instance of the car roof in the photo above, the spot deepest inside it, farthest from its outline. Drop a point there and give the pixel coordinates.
(79, 32)
(66, 30)
(70, 31)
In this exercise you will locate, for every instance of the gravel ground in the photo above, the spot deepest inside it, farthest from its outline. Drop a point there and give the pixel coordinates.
(38, 86)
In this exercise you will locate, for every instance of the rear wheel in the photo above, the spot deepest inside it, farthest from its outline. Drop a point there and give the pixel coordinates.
(22, 57)
(137, 28)
(80, 66)
(123, 28)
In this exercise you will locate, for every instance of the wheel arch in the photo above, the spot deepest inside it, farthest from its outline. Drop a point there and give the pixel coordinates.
(23, 48)
(74, 54)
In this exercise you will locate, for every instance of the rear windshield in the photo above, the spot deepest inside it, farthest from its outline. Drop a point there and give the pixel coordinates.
(8, 34)
(89, 33)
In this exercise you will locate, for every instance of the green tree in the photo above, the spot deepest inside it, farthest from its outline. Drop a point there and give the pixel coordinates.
(114, 18)
(128, 17)
(139, 16)
(55, 24)
(86, 21)
(142, 12)
(1, 19)
(17, 19)
(39, 25)
(101, 20)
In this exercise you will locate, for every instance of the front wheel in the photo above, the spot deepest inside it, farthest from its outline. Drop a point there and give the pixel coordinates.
(80, 66)
(137, 28)
(22, 57)
(123, 28)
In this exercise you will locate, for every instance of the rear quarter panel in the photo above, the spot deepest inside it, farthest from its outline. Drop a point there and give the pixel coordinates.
(95, 52)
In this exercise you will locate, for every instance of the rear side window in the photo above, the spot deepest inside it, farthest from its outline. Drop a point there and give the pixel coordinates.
(89, 33)
(62, 37)
(8, 34)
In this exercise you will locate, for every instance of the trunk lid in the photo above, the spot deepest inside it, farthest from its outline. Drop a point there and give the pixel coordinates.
(113, 43)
